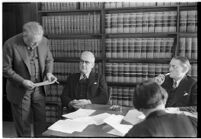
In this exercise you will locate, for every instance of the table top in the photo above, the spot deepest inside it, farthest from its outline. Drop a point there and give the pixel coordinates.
(92, 130)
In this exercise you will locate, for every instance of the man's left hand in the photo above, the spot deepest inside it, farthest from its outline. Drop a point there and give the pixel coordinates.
(51, 77)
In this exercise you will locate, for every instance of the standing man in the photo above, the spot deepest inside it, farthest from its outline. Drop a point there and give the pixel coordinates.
(85, 87)
(26, 61)
(181, 88)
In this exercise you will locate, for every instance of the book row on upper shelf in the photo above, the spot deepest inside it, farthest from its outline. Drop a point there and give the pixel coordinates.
(55, 6)
(74, 47)
(141, 22)
(145, 48)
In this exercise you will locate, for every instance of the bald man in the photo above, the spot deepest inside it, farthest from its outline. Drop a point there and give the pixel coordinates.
(85, 87)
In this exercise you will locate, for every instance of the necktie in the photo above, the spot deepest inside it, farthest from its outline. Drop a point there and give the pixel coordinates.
(84, 77)
(174, 84)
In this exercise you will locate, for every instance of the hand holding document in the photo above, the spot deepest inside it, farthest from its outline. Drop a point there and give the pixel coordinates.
(46, 83)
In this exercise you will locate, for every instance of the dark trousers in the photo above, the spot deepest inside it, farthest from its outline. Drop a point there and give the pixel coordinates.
(31, 110)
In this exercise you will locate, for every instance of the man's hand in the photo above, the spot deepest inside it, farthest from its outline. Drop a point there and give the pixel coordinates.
(79, 103)
(28, 84)
(159, 79)
(51, 77)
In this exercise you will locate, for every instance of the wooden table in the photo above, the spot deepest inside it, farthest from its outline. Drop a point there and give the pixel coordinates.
(91, 130)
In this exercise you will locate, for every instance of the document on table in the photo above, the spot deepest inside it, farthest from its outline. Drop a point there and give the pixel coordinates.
(134, 116)
(69, 126)
(119, 129)
(44, 83)
(79, 113)
(99, 119)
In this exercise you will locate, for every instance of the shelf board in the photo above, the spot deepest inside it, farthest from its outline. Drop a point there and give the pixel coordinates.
(138, 60)
(136, 35)
(64, 36)
(72, 59)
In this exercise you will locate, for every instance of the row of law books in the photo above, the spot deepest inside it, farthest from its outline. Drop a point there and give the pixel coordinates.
(122, 96)
(91, 5)
(133, 72)
(74, 47)
(63, 69)
(139, 47)
(56, 6)
(138, 72)
(188, 21)
(144, 4)
(76, 24)
(141, 22)
(188, 46)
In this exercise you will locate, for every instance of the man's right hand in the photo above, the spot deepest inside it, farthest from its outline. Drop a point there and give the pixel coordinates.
(159, 79)
(28, 84)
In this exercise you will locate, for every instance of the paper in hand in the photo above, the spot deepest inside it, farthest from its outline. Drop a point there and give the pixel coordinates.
(44, 83)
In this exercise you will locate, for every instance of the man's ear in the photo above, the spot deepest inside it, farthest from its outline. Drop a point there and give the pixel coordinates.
(185, 69)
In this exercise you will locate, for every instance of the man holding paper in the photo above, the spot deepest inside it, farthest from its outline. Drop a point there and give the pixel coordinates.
(150, 98)
(27, 60)
(181, 88)
(85, 87)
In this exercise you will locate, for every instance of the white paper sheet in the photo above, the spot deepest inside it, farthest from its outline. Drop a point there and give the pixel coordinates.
(70, 126)
(79, 113)
(99, 119)
(114, 119)
(134, 116)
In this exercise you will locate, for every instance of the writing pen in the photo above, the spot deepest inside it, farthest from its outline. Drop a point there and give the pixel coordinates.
(167, 74)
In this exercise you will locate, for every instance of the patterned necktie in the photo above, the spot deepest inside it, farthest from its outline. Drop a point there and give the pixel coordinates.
(174, 84)
(84, 77)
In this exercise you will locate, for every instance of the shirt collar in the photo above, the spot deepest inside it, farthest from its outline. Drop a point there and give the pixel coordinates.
(178, 81)
(81, 75)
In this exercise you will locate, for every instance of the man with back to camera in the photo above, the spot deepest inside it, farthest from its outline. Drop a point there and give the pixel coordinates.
(181, 88)
(150, 98)
(85, 87)
(26, 61)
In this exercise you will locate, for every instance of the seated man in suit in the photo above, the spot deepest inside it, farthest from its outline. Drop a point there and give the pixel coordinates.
(85, 87)
(181, 88)
(150, 98)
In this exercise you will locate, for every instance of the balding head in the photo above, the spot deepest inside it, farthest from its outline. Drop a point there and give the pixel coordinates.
(87, 61)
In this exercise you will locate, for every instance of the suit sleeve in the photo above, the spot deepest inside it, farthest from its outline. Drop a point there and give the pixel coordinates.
(102, 94)
(49, 60)
(8, 70)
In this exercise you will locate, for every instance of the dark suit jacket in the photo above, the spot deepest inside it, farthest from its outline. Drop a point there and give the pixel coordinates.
(162, 124)
(16, 65)
(96, 90)
(184, 95)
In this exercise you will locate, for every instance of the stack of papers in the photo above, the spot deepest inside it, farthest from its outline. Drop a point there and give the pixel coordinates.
(79, 113)
(134, 116)
(119, 129)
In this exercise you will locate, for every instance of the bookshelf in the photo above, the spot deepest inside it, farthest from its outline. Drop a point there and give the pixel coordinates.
(131, 41)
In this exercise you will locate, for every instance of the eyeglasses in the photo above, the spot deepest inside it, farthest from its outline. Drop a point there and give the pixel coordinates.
(83, 61)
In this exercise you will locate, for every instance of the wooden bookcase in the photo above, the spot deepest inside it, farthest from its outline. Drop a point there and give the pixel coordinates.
(122, 10)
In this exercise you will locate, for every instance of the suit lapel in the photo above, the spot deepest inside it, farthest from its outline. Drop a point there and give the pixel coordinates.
(24, 54)
(91, 79)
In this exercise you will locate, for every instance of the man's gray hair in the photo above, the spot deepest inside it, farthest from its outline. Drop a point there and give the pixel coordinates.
(33, 28)
(90, 54)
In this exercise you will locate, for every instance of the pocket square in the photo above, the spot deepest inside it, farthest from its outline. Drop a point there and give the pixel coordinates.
(186, 94)
(95, 82)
